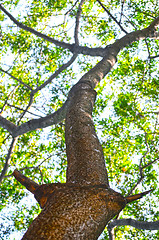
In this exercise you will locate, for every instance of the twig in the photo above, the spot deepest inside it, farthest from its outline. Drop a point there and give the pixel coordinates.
(140, 166)
(27, 107)
(33, 167)
(56, 73)
(122, 8)
(129, 21)
(8, 157)
(147, 151)
(33, 124)
(5, 103)
(21, 109)
(110, 15)
(148, 49)
(149, 164)
(20, 81)
(72, 7)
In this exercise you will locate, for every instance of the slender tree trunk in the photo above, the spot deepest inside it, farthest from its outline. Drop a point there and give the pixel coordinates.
(85, 159)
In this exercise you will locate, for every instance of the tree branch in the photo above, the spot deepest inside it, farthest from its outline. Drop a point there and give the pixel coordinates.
(147, 165)
(9, 95)
(8, 157)
(21, 109)
(111, 233)
(71, 47)
(18, 80)
(110, 15)
(38, 34)
(134, 223)
(33, 124)
(122, 8)
(27, 107)
(92, 77)
(123, 42)
(77, 22)
(56, 73)
(140, 166)
(154, 56)
(129, 38)
(6, 124)
(27, 182)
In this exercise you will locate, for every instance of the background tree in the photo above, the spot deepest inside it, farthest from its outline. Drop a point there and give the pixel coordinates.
(46, 48)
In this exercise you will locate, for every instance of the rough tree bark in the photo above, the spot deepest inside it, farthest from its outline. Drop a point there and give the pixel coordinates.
(80, 208)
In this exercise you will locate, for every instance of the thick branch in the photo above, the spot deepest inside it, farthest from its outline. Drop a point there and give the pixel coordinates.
(28, 183)
(6, 124)
(134, 223)
(33, 124)
(78, 22)
(129, 38)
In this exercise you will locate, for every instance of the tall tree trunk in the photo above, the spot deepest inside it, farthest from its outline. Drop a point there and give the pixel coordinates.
(81, 208)
(85, 159)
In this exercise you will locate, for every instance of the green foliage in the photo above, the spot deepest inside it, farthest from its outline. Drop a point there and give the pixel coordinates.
(125, 113)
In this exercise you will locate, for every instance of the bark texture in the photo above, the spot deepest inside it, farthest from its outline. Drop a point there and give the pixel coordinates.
(76, 212)
(80, 208)
(85, 159)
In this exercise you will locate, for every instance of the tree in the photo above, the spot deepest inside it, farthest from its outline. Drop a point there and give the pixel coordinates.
(54, 54)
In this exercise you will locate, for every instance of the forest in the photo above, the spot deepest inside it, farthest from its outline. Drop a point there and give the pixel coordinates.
(79, 119)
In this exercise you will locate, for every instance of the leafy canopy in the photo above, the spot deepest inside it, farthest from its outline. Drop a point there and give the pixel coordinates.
(125, 114)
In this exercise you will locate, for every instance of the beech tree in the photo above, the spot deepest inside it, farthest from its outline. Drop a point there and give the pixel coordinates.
(65, 64)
